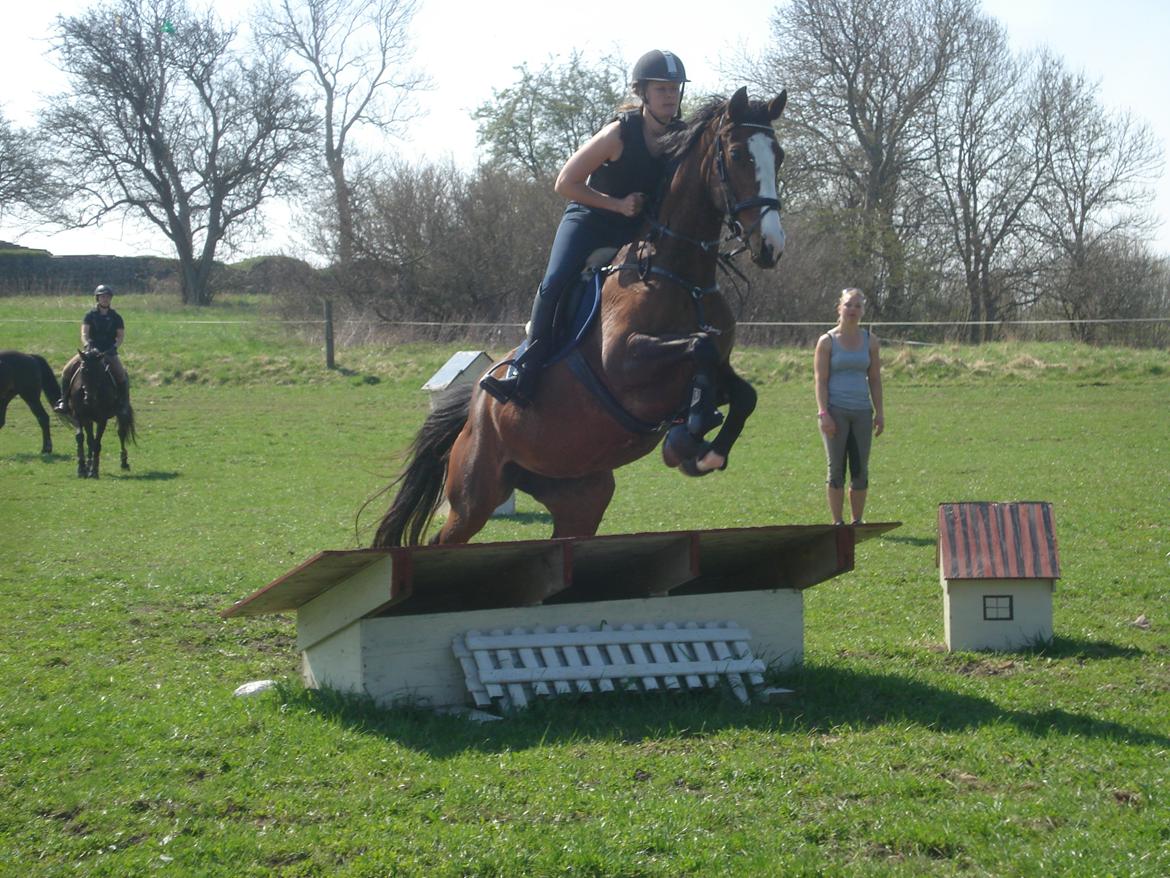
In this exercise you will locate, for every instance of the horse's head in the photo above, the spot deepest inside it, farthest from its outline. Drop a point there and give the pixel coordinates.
(93, 363)
(747, 159)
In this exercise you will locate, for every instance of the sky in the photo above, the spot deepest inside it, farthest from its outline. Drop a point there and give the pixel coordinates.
(469, 48)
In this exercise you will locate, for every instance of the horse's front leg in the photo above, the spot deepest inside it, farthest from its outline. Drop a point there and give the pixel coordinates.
(82, 468)
(643, 350)
(741, 402)
(95, 465)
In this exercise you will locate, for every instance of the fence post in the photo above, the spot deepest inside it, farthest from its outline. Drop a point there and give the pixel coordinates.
(328, 333)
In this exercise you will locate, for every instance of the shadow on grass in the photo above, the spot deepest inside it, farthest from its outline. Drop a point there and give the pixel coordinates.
(151, 475)
(909, 541)
(529, 518)
(1076, 647)
(37, 457)
(826, 697)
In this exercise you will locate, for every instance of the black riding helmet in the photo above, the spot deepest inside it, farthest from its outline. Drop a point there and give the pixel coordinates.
(102, 289)
(659, 66)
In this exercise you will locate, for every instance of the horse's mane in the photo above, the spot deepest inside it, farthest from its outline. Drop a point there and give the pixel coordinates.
(678, 142)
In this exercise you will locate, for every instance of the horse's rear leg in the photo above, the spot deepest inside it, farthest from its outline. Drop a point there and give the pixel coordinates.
(471, 498)
(577, 505)
(42, 416)
(476, 485)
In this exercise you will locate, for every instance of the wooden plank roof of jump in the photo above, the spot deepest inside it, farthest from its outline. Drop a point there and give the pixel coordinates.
(981, 540)
(474, 576)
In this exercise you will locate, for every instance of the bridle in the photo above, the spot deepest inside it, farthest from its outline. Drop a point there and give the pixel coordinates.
(732, 208)
(735, 208)
(736, 230)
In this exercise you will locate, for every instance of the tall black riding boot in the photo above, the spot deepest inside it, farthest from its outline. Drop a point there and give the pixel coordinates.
(520, 387)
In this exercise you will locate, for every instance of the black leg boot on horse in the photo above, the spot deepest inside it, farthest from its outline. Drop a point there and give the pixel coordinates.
(519, 385)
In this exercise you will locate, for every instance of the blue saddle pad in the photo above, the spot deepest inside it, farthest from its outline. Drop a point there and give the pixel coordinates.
(585, 304)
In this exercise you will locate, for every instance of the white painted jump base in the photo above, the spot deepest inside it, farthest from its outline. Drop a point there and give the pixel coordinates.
(382, 622)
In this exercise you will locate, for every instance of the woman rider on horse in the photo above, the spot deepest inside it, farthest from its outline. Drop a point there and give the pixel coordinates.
(101, 328)
(607, 181)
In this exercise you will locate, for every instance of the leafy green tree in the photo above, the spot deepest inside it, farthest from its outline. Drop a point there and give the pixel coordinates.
(535, 124)
(167, 122)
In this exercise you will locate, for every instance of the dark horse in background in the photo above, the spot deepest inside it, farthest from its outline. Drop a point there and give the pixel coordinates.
(654, 358)
(27, 376)
(93, 400)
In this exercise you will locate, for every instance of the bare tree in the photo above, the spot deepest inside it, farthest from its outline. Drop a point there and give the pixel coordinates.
(24, 183)
(862, 74)
(434, 243)
(989, 148)
(356, 54)
(1093, 201)
(167, 122)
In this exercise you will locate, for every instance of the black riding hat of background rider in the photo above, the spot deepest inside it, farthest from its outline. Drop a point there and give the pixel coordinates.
(659, 66)
(102, 290)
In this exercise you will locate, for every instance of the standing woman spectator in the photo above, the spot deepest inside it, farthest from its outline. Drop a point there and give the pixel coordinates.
(847, 372)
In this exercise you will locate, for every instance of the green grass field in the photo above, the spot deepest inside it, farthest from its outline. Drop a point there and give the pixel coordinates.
(124, 753)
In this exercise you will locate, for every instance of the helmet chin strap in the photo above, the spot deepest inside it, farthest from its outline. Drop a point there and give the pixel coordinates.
(654, 116)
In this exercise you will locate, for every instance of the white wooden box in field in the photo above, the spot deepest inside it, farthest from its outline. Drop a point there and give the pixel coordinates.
(998, 567)
(382, 622)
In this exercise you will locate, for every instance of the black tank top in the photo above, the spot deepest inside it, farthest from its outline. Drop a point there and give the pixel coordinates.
(635, 169)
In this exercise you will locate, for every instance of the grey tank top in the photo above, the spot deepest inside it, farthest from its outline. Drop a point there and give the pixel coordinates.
(848, 383)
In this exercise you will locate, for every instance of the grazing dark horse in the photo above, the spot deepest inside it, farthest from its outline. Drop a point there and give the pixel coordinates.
(27, 376)
(93, 400)
(656, 356)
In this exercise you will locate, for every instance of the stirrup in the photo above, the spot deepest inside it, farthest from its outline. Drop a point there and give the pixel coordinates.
(505, 390)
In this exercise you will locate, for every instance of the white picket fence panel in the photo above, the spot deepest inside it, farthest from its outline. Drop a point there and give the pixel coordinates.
(507, 669)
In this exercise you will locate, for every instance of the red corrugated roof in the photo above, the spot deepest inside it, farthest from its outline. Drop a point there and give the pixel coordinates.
(997, 541)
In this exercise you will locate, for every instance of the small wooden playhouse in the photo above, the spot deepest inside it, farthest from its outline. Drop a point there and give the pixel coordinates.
(998, 566)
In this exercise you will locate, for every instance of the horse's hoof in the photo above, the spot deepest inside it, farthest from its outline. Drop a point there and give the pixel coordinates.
(126, 466)
(690, 467)
(681, 445)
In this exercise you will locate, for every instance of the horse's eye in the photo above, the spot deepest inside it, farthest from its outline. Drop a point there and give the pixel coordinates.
(738, 154)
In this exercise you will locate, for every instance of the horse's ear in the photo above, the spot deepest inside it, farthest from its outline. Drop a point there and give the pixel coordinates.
(737, 106)
(776, 105)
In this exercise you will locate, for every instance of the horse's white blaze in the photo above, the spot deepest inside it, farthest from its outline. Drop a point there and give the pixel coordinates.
(760, 146)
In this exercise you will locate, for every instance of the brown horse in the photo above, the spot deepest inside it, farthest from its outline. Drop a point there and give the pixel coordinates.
(27, 376)
(657, 356)
(93, 400)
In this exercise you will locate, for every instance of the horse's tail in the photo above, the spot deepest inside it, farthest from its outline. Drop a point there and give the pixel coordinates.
(126, 429)
(48, 380)
(421, 483)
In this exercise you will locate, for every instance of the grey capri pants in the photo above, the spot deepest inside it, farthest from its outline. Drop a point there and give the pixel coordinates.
(851, 442)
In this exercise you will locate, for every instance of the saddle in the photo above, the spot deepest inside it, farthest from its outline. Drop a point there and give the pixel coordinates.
(577, 309)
